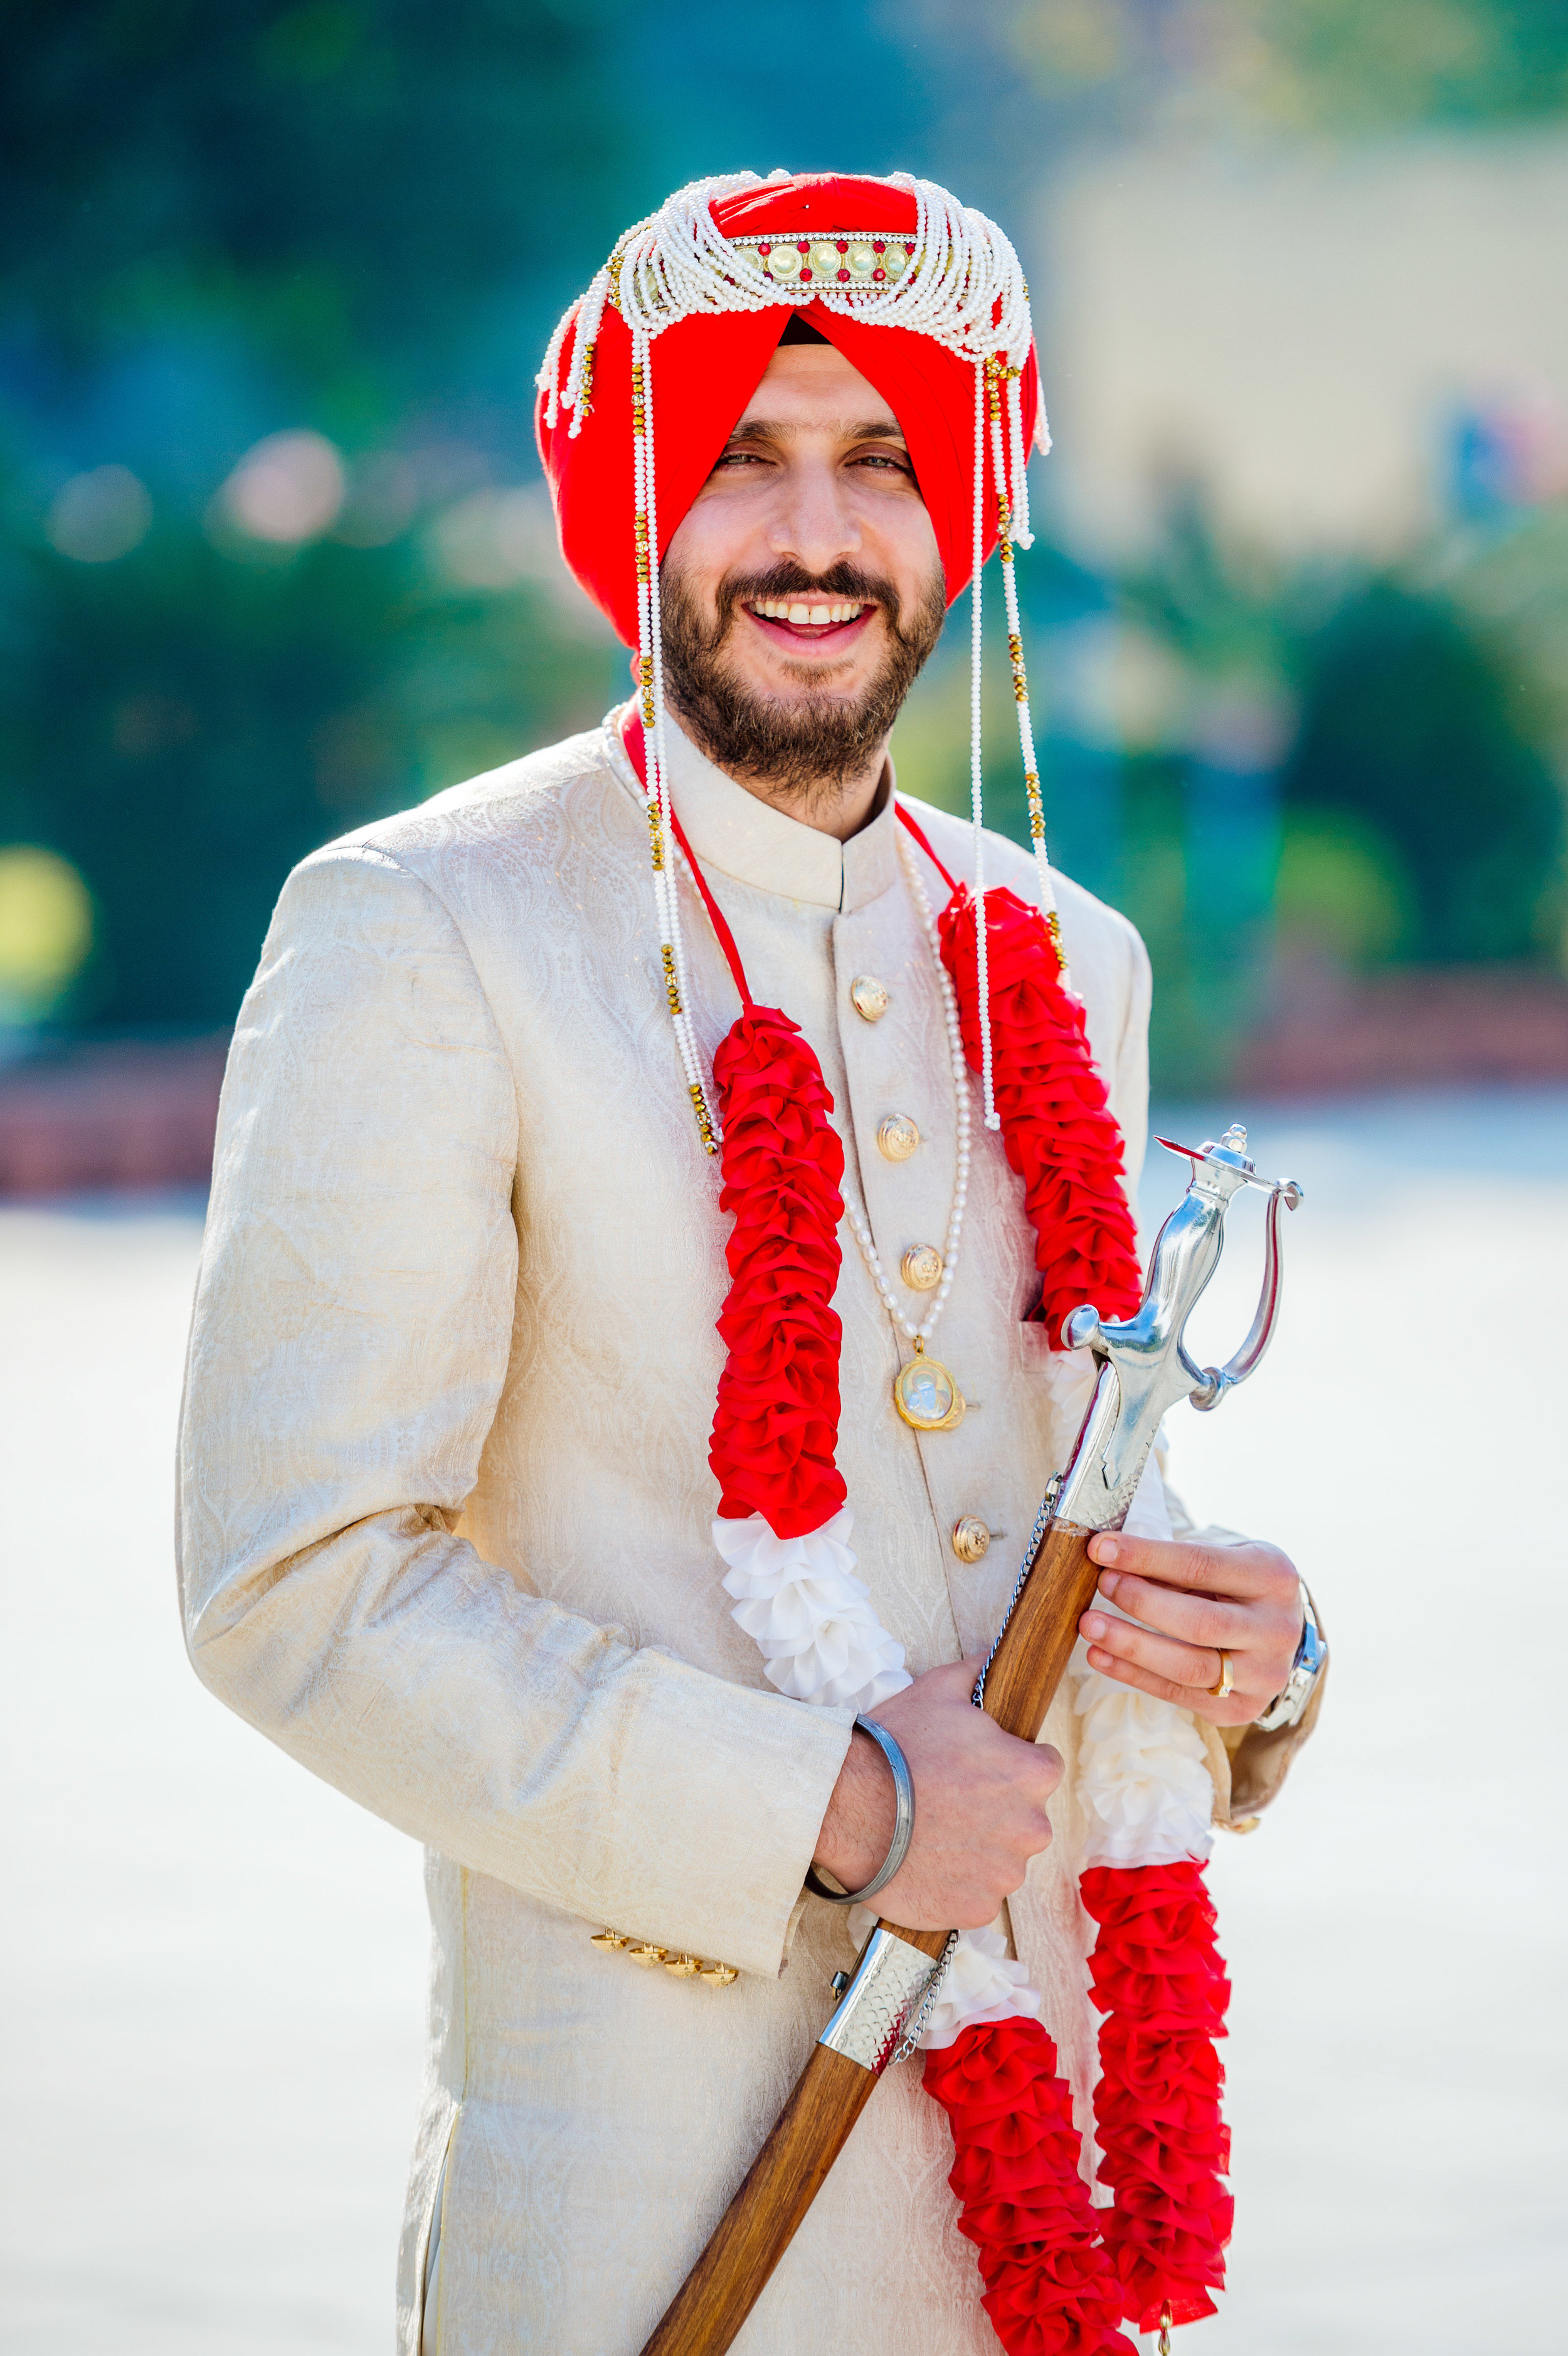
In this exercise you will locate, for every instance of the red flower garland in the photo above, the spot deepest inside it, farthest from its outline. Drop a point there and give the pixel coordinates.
(1060, 1134)
(1051, 2286)
(1160, 1980)
(776, 1428)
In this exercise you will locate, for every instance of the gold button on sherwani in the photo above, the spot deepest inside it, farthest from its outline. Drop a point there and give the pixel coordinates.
(898, 1137)
(921, 1268)
(971, 1538)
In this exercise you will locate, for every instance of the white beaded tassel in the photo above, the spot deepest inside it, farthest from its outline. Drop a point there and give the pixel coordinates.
(1044, 881)
(1017, 474)
(977, 765)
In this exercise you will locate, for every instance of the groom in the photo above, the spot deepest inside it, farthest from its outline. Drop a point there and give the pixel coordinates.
(445, 1499)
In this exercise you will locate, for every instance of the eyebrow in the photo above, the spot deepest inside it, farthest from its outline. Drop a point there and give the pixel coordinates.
(766, 429)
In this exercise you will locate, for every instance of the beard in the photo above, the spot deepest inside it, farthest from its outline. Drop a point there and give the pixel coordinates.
(813, 743)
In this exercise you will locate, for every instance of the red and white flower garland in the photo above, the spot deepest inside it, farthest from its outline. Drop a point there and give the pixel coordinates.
(1060, 2273)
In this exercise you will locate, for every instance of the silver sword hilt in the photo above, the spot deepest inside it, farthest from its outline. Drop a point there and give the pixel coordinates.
(1144, 1364)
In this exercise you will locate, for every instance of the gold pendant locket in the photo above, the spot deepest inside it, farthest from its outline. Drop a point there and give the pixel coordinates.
(926, 1395)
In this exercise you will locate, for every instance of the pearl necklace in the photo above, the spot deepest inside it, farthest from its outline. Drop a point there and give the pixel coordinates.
(920, 1334)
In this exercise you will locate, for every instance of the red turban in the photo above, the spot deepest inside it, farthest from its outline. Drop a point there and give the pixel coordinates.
(704, 369)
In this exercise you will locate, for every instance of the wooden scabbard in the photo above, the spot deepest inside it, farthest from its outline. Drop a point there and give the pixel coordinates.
(789, 2171)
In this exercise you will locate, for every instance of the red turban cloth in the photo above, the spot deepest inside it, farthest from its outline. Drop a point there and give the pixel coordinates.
(705, 367)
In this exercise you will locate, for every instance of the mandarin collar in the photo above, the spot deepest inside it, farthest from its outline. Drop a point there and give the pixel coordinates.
(732, 831)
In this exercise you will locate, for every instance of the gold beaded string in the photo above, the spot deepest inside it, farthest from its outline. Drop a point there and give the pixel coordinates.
(665, 879)
(996, 374)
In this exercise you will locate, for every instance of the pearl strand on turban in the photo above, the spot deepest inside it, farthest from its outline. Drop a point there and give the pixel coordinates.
(962, 287)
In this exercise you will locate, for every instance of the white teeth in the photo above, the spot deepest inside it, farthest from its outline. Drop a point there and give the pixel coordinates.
(772, 609)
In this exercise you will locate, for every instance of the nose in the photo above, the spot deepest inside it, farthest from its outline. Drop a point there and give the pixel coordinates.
(814, 521)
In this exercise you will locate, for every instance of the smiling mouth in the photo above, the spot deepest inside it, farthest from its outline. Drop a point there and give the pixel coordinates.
(808, 619)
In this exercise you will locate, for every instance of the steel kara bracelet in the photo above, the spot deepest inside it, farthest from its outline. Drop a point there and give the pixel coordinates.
(904, 1825)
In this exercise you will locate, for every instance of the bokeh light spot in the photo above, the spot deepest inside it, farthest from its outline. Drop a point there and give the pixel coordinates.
(493, 539)
(289, 488)
(46, 930)
(100, 515)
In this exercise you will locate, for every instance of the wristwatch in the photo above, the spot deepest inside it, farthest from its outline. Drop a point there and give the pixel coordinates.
(1311, 1659)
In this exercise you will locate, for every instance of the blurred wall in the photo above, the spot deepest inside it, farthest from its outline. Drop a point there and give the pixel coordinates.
(1302, 328)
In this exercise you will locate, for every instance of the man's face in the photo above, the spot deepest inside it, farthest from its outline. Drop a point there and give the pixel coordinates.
(802, 590)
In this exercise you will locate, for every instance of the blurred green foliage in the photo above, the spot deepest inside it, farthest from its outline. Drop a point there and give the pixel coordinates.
(1299, 767)
(360, 218)
(339, 187)
(220, 222)
(238, 713)
(1416, 731)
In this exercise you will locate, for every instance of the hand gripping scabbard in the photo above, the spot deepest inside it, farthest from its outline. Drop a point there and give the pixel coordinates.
(1144, 1369)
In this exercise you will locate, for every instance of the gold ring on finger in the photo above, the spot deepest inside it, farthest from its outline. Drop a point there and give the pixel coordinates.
(1226, 1678)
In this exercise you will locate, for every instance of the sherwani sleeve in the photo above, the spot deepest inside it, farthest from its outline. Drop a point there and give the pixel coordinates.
(351, 1337)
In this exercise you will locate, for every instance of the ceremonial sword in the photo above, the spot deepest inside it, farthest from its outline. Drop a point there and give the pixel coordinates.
(1144, 1369)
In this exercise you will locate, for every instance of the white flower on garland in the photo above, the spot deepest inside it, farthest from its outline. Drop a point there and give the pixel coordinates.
(811, 1619)
(1143, 1778)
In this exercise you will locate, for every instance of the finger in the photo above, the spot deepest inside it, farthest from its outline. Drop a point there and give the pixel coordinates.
(950, 1678)
(1199, 1619)
(1240, 1570)
(1236, 1709)
(1187, 1666)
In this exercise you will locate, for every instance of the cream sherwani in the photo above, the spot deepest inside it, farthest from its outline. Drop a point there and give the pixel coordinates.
(445, 1509)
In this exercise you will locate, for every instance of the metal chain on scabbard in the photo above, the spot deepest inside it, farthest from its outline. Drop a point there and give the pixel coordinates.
(910, 2037)
(1048, 1506)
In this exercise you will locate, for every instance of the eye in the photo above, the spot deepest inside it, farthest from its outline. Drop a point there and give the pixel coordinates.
(884, 462)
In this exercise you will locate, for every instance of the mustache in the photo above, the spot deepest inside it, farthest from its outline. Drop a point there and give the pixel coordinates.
(781, 580)
(821, 741)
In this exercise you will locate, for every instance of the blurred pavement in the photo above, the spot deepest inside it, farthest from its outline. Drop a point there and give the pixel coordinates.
(213, 1967)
